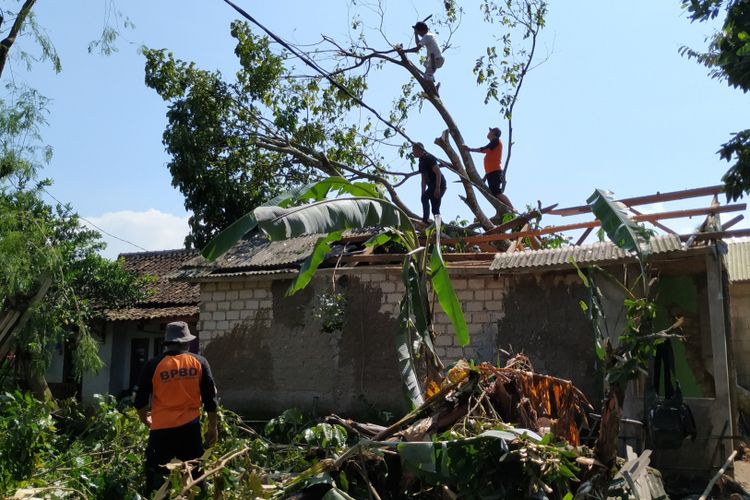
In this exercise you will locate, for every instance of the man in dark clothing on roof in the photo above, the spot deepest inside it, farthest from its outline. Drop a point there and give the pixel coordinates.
(433, 182)
(176, 382)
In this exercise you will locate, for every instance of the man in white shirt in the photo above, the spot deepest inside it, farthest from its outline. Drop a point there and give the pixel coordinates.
(424, 38)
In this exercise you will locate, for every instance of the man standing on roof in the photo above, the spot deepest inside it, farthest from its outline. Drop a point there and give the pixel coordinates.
(433, 182)
(423, 37)
(493, 172)
(177, 382)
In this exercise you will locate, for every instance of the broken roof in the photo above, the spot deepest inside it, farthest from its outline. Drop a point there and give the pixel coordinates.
(599, 253)
(167, 299)
(257, 255)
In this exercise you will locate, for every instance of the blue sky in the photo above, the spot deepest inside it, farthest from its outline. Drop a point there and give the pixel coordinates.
(613, 106)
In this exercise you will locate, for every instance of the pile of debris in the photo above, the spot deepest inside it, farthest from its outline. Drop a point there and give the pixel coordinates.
(487, 432)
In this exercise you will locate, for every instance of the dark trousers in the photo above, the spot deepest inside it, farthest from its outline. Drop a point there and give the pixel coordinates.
(428, 198)
(182, 443)
(494, 182)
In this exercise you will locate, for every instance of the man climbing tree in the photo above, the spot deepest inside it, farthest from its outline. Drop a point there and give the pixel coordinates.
(493, 172)
(275, 128)
(423, 37)
(433, 182)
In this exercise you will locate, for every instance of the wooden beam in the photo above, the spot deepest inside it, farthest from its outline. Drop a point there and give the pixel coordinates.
(716, 235)
(657, 224)
(676, 214)
(519, 220)
(585, 235)
(732, 222)
(645, 200)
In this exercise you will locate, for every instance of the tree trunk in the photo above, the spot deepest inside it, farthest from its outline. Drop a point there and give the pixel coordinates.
(605, 449)
(31, 379)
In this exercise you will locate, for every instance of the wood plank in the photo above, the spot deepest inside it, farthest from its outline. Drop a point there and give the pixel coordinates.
(676, 214)
(520, 219)
(585, 235)
(716, 235)
(645, 200)
(655, 223)
(732, 222)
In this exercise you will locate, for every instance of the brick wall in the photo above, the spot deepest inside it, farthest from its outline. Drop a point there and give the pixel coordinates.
(740, 317)
(267, 350)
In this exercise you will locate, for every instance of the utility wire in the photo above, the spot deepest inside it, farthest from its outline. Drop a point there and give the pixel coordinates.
(319, 70)
(94, 225)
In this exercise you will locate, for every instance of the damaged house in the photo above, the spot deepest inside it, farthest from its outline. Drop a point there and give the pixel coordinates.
(330, 348)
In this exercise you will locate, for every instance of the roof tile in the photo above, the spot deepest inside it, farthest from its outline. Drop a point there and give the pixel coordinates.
(584, 254)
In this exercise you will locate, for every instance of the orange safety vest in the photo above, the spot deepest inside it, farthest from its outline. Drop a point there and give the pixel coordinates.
(176, 390)
(493, 158)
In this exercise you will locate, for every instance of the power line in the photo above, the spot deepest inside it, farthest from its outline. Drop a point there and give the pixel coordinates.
(94, 225)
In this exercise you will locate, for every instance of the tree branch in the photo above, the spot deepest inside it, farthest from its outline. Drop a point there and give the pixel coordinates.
(6, 44)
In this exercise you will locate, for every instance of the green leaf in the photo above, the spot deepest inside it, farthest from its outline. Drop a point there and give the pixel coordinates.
(409, 378)
(441, 284)
(228, 237)
(621, 229)
(417, 293)
(318, 191)
(326, 216)
(312, 262)
(582, 276)
(599, 349)
(419, 457)
(378, 240)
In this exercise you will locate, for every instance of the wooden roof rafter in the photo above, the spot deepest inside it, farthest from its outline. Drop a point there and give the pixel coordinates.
(519, 226)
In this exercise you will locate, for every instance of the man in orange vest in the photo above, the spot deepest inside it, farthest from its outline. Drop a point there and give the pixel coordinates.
(176, 382)
(493, 172)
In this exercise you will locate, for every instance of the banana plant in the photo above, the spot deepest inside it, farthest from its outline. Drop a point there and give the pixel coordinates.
(637, 344)
(284, 217)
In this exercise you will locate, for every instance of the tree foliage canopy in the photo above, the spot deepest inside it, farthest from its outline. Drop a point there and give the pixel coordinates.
(43, 243)
(728, 59)
(296, 114)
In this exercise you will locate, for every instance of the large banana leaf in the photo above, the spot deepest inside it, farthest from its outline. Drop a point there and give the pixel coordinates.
(310, 265)
(317, 191)
(446, 295)
(621, 229)
(326, 216)
(417, 292)
(313, 191)
(440, 461)
(228, 237)
(404, 336)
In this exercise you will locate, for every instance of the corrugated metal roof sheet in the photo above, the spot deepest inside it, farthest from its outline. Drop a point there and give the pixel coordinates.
(257, 255)
(738, 260)
(584, 254)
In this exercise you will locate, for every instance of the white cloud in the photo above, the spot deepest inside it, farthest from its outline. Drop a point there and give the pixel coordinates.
(151, 230)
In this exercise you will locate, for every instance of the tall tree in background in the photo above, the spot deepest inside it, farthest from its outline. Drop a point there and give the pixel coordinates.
(728, 59)
(301, 113)
(46, 253)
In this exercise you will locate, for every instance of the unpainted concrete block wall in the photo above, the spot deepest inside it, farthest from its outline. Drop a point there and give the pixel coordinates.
(268, 352)
(739, 307)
